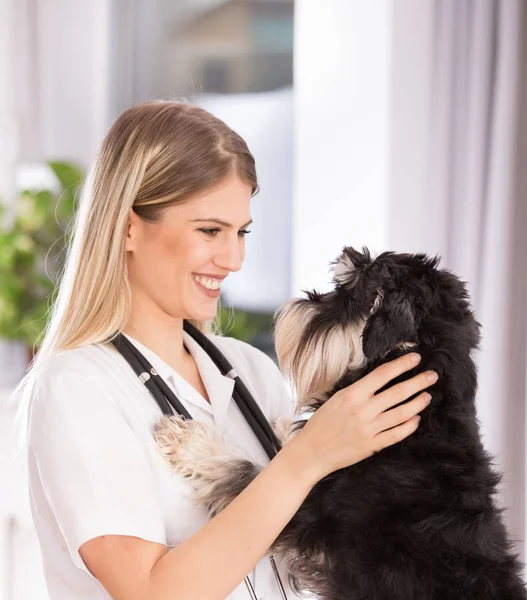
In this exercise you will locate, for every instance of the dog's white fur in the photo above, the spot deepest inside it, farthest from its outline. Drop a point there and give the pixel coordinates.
(324, 361)
(342, 268)
(197, 452)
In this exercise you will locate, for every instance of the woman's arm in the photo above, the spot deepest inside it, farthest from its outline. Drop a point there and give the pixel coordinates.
(350, 426)
(212, 562)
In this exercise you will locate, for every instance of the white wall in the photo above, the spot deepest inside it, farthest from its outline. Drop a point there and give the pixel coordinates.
(265, 121)
(342, 100)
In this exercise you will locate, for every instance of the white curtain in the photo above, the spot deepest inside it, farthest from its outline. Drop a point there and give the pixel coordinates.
(472, 208)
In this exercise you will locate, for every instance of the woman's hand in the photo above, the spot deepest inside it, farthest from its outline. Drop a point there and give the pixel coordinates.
(355, 422)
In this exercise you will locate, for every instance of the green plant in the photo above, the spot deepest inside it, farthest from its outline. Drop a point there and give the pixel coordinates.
(32, 253)
(242, 325)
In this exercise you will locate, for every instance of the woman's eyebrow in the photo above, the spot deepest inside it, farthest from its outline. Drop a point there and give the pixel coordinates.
(218, 222)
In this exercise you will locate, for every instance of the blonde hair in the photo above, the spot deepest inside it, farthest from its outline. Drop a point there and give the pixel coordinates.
(156, 154)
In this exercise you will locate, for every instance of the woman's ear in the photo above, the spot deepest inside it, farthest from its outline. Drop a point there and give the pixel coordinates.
(132, 225)
(391, 323)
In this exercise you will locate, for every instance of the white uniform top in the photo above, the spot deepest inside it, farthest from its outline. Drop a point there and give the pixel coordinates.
(94, 468)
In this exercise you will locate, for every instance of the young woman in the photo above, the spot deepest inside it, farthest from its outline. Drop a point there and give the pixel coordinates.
(161, 223)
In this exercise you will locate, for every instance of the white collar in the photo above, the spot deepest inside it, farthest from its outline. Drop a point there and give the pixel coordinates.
(219, 387)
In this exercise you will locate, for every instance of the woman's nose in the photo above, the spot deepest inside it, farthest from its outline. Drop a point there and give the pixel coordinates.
(231, 256)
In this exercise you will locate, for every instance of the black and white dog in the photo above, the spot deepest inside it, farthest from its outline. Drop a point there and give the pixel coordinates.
(416, 521)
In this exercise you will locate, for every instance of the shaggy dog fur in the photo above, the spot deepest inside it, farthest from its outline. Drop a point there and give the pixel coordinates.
(417, 520)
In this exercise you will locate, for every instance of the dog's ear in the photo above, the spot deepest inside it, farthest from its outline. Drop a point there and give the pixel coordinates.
(392, 322)
(349, 264)
(314, 349)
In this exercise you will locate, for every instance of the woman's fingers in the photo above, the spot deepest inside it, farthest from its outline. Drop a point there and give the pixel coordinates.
(383, 374)
(354, 423)
(402, 413)
(392, 436)
(401, 392)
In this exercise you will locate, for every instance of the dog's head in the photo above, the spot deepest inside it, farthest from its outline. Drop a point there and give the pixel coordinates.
(380, 308)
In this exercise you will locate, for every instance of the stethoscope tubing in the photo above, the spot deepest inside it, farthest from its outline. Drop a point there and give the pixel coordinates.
(150, 378)
(166, 398)
(242, 396)
(168, 403)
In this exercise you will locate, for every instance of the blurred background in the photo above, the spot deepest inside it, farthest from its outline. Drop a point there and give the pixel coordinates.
(395, 124)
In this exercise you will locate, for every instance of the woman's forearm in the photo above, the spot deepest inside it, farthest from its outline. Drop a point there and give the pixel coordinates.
(212, 562)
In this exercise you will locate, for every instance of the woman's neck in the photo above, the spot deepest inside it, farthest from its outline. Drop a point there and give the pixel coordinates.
(166, 342)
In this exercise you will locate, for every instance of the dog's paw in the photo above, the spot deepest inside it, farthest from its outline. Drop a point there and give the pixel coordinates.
(193, 449)
(283, 428)
(184, 442)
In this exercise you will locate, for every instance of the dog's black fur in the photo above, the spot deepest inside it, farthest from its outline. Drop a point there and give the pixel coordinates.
(417, 520)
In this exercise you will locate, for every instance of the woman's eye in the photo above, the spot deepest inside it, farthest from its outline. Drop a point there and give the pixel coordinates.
(210, 232)
(214, 231)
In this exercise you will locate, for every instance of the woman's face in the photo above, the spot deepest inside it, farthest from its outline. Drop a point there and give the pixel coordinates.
(178, 263)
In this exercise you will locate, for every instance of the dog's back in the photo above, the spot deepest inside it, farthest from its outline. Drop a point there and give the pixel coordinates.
(418, 520)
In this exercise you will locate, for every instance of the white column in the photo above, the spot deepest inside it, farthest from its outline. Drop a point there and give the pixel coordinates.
(342, 80)
(8, 124)
(74, 61)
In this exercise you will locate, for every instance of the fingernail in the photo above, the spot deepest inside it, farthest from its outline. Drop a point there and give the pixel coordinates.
(432, 376)
(416, 358)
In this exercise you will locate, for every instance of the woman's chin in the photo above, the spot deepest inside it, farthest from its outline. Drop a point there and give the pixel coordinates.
(203, 315)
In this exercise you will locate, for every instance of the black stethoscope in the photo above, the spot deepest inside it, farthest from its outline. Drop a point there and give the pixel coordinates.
(168, 401)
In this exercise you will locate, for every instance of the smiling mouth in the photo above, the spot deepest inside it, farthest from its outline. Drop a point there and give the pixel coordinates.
(210, 288)
(208, 282)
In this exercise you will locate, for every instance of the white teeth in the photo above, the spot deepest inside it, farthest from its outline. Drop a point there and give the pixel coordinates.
(210, 284)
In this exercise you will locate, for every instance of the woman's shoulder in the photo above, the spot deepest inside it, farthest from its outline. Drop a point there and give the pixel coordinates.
(78, 386)
(87, 361)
